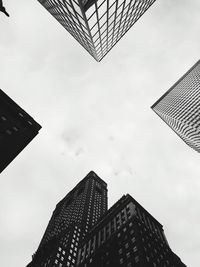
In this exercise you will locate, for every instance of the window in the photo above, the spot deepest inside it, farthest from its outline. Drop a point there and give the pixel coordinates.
(120, 251)
(137, 259)
(132, 231)
(8, 131)
(128, 254)
(126, 245)
(3, 118)
(15, 128)
(134, 248)
(98, 189)
(133, 239)
(20, 114)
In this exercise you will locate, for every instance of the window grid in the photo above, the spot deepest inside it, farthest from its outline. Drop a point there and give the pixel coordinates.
(179, 107)
(102, 25)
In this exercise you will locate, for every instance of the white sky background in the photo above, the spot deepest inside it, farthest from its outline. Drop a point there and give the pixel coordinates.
(97, 116)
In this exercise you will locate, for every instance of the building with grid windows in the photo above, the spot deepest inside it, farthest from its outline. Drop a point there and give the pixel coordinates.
(97, 25)
(83, 233)
(128, 236)
(17, 129)
(179, 107)
(72, 218)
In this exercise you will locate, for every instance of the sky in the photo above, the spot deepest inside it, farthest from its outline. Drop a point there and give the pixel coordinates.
(97, 116)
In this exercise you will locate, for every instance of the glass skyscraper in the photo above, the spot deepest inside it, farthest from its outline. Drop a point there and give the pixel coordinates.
(97, 25)
(179, 107)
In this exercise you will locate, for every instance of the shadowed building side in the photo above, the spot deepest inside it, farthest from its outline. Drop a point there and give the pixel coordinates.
(128, 236)
(179, 107)
(83, 233)
(17, 129)
(72, 218)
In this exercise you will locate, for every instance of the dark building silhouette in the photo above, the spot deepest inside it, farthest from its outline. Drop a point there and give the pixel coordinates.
(17, 129)
(128, 236)
(179, 107)
(83, 233)
(72, 218)
(2, 9)
(97, 25)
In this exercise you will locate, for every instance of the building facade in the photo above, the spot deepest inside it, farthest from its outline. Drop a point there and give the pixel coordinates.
(179, 107)
(97, 25)
(83, 233)
(72, 218)
(128, 236)
(17, 129)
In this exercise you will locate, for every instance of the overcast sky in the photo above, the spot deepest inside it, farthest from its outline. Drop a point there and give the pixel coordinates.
(97, 116)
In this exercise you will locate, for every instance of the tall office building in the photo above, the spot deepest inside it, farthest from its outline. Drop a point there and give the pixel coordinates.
(97, 25)
(128, 236)
(72, 218)
(17, 129)
(179, 107)
(83, 233)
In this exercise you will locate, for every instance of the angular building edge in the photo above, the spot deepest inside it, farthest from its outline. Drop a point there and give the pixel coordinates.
(12, 103)
(174, 85)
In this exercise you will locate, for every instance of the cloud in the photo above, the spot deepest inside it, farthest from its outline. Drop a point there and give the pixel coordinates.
(97, 116)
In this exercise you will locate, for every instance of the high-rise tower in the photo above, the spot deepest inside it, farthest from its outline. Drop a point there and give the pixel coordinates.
(97, 25)
(17, 129)
(73, 216)
(179, 107)
(128, 236)
(83, 233)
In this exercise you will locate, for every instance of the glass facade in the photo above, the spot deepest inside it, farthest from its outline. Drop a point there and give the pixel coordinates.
(97, 25)
(179, 107)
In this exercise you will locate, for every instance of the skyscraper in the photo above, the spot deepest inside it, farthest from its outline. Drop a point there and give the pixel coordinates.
(179, 107)
(97, 25)
(83, 233)
(128, 236)
(72, 218)
(17, 129)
